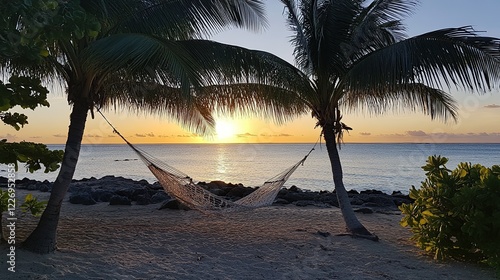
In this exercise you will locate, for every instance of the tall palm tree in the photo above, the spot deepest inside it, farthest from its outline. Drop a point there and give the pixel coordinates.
(357, 57)
(138, 55)
(353, 55)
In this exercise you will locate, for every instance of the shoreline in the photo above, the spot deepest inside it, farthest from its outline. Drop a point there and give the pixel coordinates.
(124, 191)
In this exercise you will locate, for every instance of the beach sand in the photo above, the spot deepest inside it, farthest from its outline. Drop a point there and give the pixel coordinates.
(278, 242)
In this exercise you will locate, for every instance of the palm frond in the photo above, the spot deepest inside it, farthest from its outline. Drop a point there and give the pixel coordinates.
(227, 64)
(331, 24)
(178, 19)
(378, 25)
(299, 41)
(166, 61)
(454, 56)
(155, 99)
(409, 97)
(254, 100)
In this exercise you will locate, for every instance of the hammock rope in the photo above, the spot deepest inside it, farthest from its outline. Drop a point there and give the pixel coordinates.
(181, 187)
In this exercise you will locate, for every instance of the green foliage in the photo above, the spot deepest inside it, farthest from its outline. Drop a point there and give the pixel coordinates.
(456, 214)
(34, 155)
(28, 27)
(31, 204)
(28, 93)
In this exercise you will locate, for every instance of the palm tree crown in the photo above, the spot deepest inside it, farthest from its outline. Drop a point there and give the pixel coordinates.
(354, 55)
(143, 55)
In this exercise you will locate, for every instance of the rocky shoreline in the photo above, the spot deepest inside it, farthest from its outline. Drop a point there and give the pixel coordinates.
(124, 191)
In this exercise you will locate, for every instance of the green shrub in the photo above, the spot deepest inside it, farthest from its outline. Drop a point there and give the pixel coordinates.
(456, 214)
(30, 205)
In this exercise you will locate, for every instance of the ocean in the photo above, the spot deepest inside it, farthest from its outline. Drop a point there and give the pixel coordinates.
(384, 167)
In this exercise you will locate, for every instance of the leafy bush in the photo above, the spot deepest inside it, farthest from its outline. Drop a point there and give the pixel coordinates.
(456, 214)
(30, 205)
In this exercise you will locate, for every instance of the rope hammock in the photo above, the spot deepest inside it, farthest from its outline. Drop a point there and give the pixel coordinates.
(181, 187)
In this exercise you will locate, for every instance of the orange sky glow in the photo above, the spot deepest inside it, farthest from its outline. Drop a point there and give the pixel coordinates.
(478, 115)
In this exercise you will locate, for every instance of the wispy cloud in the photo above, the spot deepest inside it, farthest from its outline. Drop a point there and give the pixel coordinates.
(365, 133)
(417, 133)
(151, 134)
(492, 106)
(187, 135)
(93, 136)
(59, 135)
(245, 135)
(276, 135)
(140, 135)
(9, 137)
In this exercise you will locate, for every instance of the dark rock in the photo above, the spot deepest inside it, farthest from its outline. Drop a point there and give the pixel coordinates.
(143, 182)
(144, 199)
(45, 188)
(364, 210)
(155, 186)
(296, 196)
(351, 192)
(126, 192)
(216, 184)
(371, 192)
(82, 198)
(281, 201)
(294, 189)
(119, 200)
(303, 203)
(356, 200)
(397, 193)
(102, 195)
(138, 192)
(159, 197)
(239, 191)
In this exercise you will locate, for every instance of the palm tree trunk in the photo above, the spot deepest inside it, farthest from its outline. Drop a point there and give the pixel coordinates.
(43, 239)
(353, 225)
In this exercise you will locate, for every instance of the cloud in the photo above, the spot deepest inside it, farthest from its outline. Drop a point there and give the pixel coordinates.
(140, 135)
(9, 137)
(245, 135)
(276, 135)
(365, 133)
(492, 106)
(187, 135)
(59, 135)
(112, 136)
(93, 136)
(36, 137)
(163, 136)
(417, 133)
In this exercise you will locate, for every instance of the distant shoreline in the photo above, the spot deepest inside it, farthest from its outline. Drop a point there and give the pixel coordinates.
(124, 191)
(296, 143)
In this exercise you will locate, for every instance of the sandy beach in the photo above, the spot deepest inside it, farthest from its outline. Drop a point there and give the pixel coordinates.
(278, 242)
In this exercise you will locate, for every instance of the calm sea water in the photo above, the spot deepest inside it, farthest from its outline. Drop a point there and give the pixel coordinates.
(385, 167)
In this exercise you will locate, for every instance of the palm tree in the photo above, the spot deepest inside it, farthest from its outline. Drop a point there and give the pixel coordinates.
(358, 58)
(353, 55)
(136, 54)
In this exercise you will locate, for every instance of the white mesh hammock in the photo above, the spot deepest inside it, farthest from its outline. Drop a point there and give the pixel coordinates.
(181, 187)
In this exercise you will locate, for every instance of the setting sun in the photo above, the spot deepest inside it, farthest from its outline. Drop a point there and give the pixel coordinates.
(225, 130)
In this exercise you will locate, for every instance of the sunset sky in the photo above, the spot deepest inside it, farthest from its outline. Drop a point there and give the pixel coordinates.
(478, 115)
